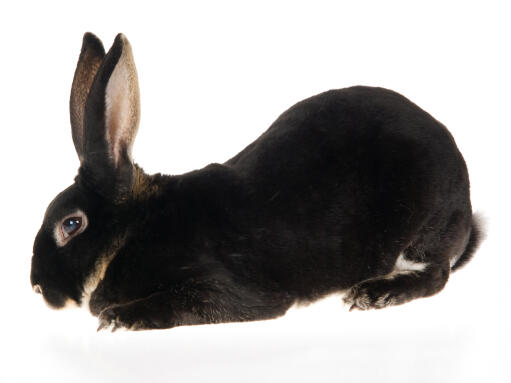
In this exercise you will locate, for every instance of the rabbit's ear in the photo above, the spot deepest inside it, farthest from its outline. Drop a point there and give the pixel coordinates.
(91, 57)
(111, 120)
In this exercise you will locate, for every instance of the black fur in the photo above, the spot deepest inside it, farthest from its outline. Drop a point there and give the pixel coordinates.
(476, 236)
(325, 200)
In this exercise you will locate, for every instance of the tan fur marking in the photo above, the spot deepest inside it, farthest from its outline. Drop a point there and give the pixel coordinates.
(98, 274)
(144, 185)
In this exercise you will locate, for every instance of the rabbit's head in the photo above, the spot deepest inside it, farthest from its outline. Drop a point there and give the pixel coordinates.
(85, 225)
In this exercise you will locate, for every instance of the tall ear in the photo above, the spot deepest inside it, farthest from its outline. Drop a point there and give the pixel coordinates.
(91, 57)
(112, 114)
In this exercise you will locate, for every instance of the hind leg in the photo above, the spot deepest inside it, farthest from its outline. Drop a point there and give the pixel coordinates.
(407, 281)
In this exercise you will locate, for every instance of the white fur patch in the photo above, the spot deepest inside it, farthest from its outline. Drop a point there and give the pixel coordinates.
(405, 265)
(454, 260)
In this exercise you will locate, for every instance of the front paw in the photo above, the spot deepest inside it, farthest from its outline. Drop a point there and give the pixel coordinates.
(115, 318)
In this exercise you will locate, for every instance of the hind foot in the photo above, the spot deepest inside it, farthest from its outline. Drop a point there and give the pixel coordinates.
(409, 280)
(370, 295)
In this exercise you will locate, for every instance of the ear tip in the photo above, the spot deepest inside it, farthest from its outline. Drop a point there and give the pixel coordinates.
(121, 40)
(120, 46)
(91, 41)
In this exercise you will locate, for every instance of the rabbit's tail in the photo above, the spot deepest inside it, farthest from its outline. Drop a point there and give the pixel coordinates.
(475, 239)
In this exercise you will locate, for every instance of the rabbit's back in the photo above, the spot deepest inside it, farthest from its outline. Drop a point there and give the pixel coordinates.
(339, 129)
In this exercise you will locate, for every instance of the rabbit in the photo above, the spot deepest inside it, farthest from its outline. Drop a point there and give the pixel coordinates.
(355, 191)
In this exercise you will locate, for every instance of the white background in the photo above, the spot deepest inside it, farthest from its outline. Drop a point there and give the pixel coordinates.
(213, 76)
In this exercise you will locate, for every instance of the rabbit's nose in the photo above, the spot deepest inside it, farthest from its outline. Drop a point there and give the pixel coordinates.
(37, 289)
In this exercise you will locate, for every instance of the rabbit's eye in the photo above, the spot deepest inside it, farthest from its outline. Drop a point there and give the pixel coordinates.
(71, 225)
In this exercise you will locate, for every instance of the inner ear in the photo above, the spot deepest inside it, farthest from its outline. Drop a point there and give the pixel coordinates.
(122, 106)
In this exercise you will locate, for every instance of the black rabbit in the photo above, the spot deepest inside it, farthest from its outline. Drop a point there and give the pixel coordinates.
(355, 190)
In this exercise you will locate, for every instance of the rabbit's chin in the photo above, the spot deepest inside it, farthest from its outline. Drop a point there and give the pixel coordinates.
(69, 304)
(58, 301)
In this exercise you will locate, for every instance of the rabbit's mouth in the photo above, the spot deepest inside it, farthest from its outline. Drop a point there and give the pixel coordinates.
(53, 299)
